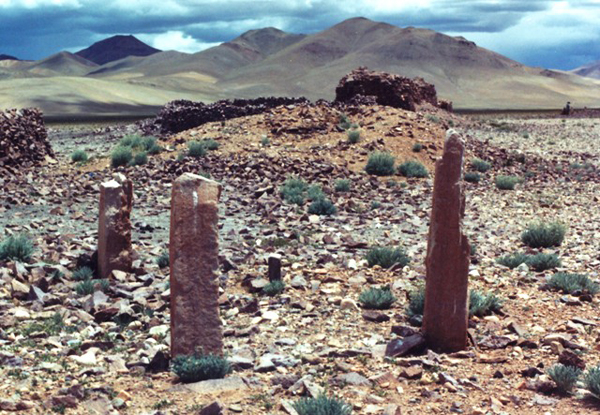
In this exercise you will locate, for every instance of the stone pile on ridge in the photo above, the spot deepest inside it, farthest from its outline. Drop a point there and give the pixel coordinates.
(23, 139)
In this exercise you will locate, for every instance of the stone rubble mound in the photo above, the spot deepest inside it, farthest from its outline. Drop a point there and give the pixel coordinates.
(181, 115)
(365, 86)
(23, 138)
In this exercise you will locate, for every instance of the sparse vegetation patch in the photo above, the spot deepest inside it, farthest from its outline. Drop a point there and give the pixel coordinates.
(17, 248)
(544, 235)
(413, 169)
(79, 156)
(200, 367)
(480, 165)
(121, 156)
(322, 405)
(380, 164)
(385, 257)
(377, 298)
(570, 283)
(565, 377)
(506, 182)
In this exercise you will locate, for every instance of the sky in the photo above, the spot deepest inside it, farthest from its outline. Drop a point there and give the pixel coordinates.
(548, 33)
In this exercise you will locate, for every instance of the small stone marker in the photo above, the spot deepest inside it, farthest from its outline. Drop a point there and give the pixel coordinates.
(275, 267)
(193, 253)
(445, 318)
(114, 226)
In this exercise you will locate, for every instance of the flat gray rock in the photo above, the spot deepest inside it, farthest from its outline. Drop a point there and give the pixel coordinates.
(212, 386)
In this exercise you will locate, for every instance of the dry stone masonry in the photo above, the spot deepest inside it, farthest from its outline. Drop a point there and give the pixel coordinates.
(362, 86)
(114, 228)
(181, 115)
(445, 317)
(23, 139)
(193, 251)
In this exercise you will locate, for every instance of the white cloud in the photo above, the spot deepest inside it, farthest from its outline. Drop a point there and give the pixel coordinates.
(175, 40)
(32, 4)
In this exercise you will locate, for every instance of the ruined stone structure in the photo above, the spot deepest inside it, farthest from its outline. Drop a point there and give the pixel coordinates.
(23, 139)
(362, 86)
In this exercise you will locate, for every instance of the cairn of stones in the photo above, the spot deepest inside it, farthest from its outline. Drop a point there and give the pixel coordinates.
(193, 253)
(114, 226)
(445, 318)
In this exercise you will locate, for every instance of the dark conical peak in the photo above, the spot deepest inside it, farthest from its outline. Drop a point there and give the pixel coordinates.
(7, 58)
(115, 48)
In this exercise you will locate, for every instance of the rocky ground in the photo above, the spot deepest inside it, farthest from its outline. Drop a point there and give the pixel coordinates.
(105, 353)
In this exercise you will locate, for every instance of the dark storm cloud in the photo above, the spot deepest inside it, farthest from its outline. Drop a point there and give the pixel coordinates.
(45, 27)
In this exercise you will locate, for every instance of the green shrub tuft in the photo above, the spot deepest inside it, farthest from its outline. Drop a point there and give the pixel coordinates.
(273, 288)
(413, 169)
(417, 147)
(131, 141)
(121, 156)
(88, 286)
(82, 274)
(480, 165)
(570, 283)
(416, 302)
(538, 262)
(375, 204)
(344, 122)
(196, 149)
(377, 298)
(163, 260)
(472, 177)
(542, 262)
(151, 146)
(79, 156)
(210, 144)
(322, 405)
(293, 190)
(565, 377)
(198, 367)
(353, 136)
(342, 185)
(482, 304)
(314, 192)
(544, 235)
(591, 381)
(139, 159)
(264, 141)
(16, 248)
(380, 164)
(322, 206)
(386, 257)
(506, 182)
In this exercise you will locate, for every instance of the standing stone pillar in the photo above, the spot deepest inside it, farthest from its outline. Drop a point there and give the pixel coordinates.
(274, 267)
(194, 258)
(114, 226)
(445, 318)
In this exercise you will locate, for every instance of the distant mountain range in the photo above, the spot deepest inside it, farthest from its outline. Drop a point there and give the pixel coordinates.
(7, 58)
(591, 70)
(133, 77)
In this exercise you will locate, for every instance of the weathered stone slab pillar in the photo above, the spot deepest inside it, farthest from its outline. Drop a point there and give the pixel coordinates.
(445, 318)
(193, 254)
(274, 267)
(114, 226)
